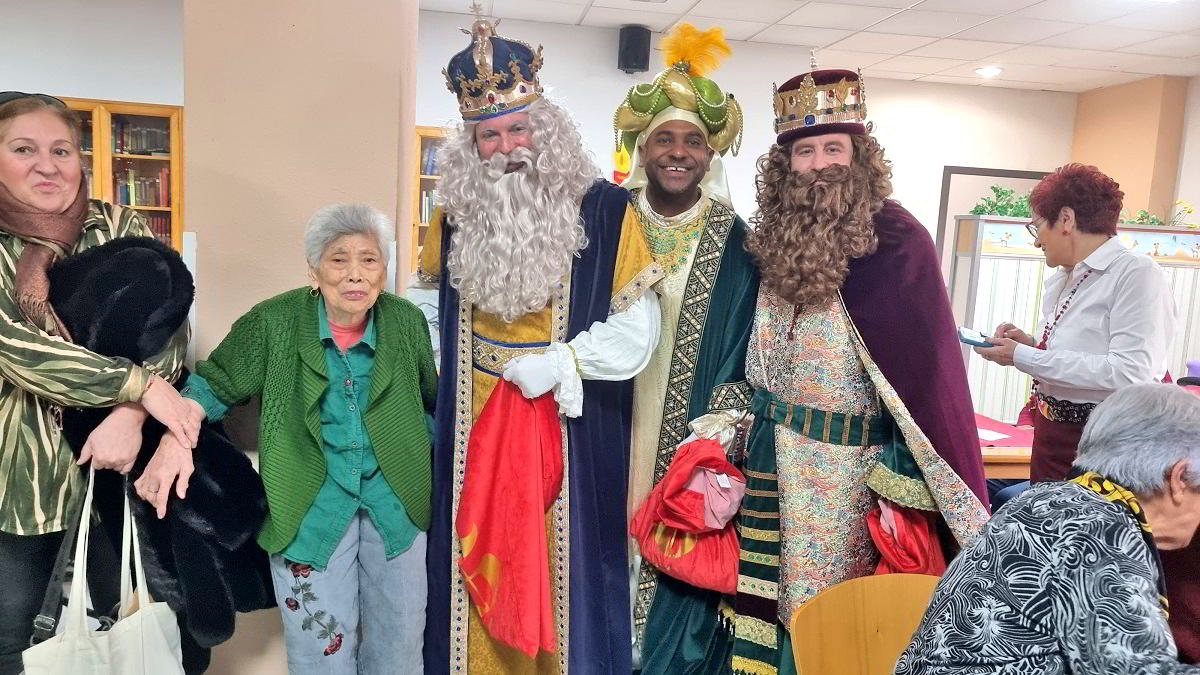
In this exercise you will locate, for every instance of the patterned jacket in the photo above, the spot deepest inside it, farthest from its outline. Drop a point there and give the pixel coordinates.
(1060, 581)
(40, 373)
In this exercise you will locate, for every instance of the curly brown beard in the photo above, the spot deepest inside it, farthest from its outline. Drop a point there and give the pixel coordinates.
(809, 226)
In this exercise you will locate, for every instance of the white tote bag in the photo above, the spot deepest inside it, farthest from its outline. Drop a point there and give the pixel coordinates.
(143, 641)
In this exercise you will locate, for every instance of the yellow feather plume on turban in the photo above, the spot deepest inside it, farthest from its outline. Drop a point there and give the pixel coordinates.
(701, 50)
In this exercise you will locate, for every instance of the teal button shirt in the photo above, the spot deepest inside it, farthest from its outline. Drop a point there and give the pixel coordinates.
(352, 476)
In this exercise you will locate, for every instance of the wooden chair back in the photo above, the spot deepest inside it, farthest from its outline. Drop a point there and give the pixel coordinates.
(860, 626)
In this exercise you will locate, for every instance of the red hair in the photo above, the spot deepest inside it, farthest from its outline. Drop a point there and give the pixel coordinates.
(1095, 198)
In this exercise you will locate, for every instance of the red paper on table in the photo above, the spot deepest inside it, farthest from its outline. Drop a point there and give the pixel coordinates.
(1016, 437)
(514, 474)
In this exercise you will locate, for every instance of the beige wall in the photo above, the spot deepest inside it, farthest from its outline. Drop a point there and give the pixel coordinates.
(290, 106)
(1133, 132)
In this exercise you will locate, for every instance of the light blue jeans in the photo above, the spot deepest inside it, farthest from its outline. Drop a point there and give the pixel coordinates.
(363, 614)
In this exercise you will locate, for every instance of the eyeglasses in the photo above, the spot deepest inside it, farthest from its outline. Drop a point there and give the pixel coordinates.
(7, 96)
(1032, 227)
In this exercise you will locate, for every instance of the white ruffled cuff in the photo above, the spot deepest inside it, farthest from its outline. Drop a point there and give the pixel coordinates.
(568, 393)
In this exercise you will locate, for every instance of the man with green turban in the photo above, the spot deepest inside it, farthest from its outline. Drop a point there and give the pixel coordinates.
(677, 128)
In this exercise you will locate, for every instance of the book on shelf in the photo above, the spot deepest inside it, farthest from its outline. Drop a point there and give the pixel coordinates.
(160, 225)
(427, 206)
(136, 188)
(134, 138)
(429, 163)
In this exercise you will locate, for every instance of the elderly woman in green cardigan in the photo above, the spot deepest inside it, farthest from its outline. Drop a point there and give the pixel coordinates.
(346, 377)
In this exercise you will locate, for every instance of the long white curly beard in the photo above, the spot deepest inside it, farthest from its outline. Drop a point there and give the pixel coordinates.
(515, 234)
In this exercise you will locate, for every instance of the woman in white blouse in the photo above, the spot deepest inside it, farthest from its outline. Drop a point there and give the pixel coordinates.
(1107, 314)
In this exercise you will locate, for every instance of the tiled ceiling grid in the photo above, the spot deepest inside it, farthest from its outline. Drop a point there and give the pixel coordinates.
(1059, 45)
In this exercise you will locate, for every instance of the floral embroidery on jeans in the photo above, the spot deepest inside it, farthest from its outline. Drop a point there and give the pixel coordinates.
(302, 595)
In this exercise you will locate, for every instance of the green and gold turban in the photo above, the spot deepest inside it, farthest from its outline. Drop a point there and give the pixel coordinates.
(690, 53)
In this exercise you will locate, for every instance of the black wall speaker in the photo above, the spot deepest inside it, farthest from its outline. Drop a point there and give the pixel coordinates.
(633, 54)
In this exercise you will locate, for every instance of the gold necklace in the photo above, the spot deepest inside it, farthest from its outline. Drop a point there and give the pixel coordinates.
(670, 238)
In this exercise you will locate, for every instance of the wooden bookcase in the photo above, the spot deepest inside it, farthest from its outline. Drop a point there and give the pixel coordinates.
(133, 156)
(426, 182)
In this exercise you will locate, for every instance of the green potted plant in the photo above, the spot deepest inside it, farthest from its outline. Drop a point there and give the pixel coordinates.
(1003, 202)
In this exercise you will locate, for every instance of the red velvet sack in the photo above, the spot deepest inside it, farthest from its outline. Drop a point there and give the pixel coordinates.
(514, 474)
(907, 540)
(683, 528)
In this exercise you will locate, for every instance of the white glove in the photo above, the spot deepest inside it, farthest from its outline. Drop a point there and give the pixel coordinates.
(535, 374)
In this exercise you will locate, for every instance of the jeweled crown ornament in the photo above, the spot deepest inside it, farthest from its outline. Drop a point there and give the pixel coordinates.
(493, 76)
(820, 102)
(690, 55)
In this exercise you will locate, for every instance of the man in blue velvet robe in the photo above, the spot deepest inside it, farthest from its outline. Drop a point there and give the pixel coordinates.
(543, 279)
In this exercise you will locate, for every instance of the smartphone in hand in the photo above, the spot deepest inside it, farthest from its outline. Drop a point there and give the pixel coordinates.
(973, 338)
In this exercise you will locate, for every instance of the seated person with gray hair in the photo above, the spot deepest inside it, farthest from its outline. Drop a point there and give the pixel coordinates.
(346, 376)
(1066, 578)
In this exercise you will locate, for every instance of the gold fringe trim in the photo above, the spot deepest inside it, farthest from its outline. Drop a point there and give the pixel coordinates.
(759, 558)
(756, 630)
(741, 664)
(757, 534)
(905, 491)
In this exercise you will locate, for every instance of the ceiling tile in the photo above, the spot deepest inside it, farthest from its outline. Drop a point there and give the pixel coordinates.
(840, 58)
(765, 11)
(1102, 79)
(734, 30)
(952, 48)
(455, 6)
(897, 4)
(1162, 65)
(919, 64)
(952, 79)
(1172, 18)
(932, 24)
(1023, 73)
(828, 15)
(1017, 84)
(1037, 55)
(882, 43)
(889, 75)
(1102, 37)
(613, 18)
(1080, 11)
(800, 35)
(993, 7)
(665, 7)
(1106, 60)
(547, 11)
(1016, 29)
(1182, 45)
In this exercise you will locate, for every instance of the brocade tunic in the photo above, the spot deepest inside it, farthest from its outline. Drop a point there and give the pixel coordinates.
(823, 493)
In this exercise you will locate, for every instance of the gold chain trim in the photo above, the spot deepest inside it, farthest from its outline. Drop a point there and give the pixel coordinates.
(697, 294)
(731, 396)
(636, 288)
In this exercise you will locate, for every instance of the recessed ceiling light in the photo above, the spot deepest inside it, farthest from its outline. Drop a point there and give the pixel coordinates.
(989, 71)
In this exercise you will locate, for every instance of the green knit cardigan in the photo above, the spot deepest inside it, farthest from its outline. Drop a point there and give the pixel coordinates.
(275, 351)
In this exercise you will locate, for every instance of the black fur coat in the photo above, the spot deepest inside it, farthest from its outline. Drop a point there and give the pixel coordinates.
(127, 298)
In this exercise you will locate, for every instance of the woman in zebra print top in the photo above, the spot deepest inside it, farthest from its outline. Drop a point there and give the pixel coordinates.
(1066, 578)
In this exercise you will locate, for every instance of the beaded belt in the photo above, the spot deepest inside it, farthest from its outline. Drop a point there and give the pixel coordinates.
(491, 356)
(820, 425)
(1063, 411)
